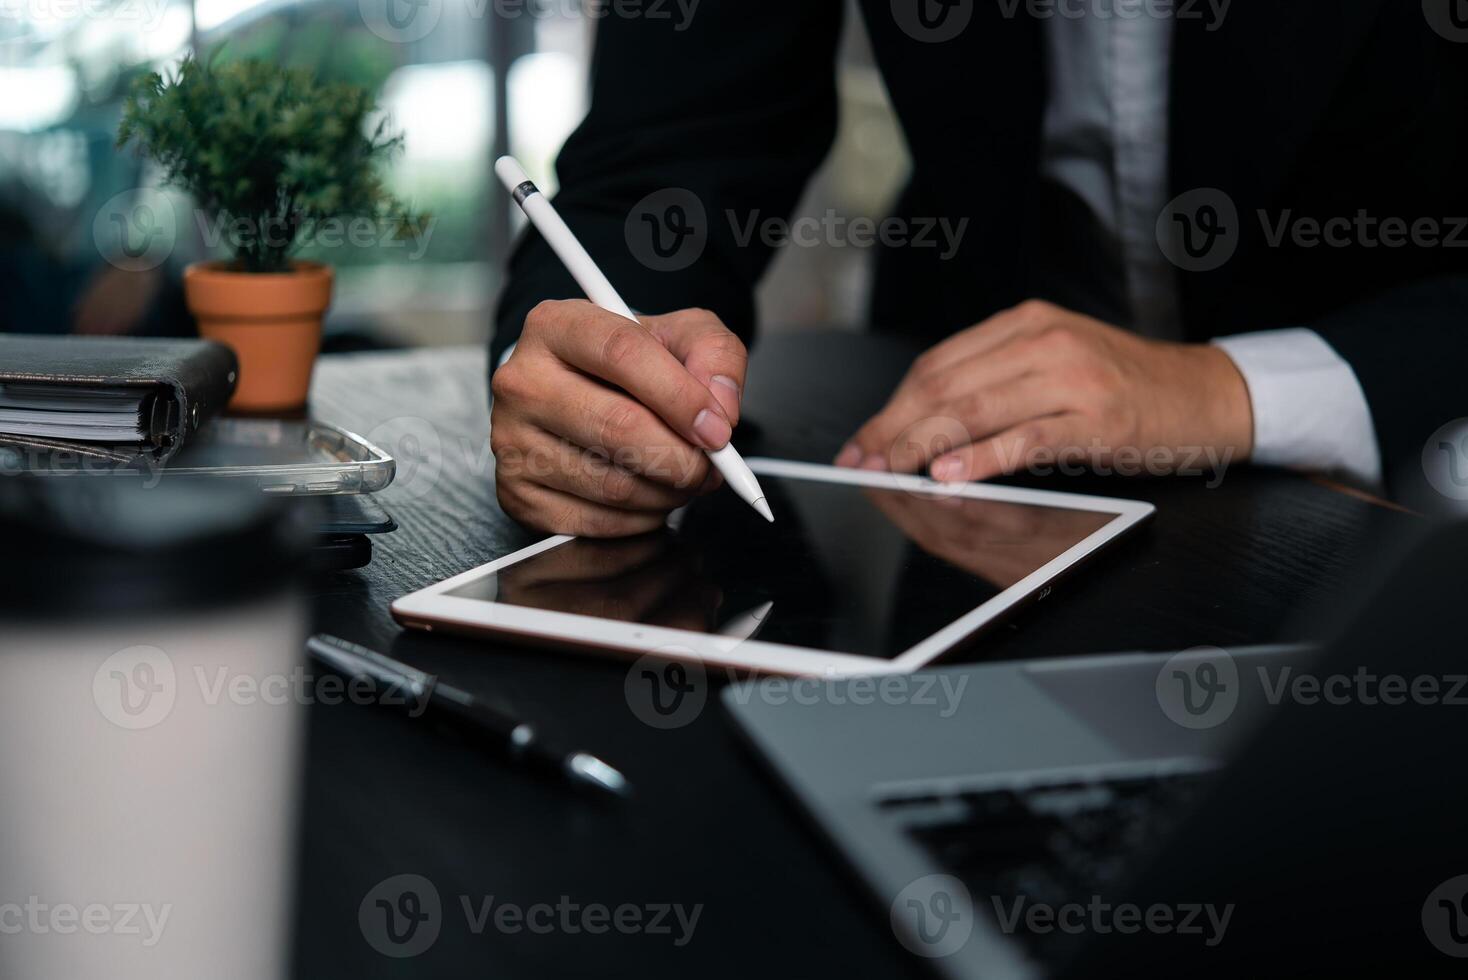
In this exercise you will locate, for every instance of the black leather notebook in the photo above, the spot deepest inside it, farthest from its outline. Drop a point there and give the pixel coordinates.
(110, 397)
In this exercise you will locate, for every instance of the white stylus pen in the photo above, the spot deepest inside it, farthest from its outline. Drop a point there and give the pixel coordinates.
(561, 240)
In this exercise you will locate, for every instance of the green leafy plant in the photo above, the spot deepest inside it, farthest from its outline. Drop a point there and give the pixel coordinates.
(268, 153)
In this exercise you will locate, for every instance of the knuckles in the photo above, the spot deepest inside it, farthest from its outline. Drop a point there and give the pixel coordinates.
(1090, 383)
(940, 387)
(592, 523)
(511, 503)
(1060, 341)
(727, 346)
(1037, 310)
(620, 346)
(510, 383)
(619, 426)
(541, 318)
(695, 316)
(723, 356)
(617, 485)
(565, 518)
(499, 442)
(719, 343)
(500, 387)
(571, 519)
(976, 407)
(1029, 436)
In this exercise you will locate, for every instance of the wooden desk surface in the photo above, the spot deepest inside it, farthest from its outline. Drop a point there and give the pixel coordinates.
(1224, 565)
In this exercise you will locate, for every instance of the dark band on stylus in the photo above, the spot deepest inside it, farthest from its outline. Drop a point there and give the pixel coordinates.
(523, 191)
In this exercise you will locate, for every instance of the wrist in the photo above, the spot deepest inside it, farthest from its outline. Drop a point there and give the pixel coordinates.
(1225, 405)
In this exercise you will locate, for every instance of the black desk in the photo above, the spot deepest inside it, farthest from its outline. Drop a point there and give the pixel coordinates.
(1225, 566)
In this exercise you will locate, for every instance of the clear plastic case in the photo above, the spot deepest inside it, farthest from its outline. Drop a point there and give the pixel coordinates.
(286, 456)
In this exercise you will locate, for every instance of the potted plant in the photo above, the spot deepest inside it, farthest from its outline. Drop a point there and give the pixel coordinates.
(271, 158)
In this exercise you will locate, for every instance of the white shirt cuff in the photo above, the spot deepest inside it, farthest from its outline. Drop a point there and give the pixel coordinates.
(1309, 410)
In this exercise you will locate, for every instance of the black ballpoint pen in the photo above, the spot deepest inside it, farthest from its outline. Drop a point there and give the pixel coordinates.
(485, 726)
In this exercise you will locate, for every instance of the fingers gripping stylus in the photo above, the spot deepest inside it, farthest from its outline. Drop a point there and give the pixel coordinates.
(599, 290)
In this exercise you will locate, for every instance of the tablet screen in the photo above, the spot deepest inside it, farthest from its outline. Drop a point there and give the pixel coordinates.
(866, 571)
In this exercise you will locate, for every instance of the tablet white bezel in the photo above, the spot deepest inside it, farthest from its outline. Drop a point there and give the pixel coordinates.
(432, 607)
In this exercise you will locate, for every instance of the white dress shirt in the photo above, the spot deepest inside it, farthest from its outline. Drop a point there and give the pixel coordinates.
(1106, 139)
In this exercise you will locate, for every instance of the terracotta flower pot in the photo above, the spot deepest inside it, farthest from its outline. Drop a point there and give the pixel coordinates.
(271, 320)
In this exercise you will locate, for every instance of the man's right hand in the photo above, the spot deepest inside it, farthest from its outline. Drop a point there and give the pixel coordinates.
(599, 424)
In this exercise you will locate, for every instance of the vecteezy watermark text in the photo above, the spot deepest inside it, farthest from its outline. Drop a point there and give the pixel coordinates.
(1364, 230)
(137, 230)
(668, 689)
(1211, 11)
(941, 692)
(37, 917)
(137, 688)
(406, 21)
(403, 916)
(1363, 686)
(655, 462)
(670, 919)
(15, 460)
(934, 917)
(1101, 917)
(218, 230)
(677, 13)
(669, 229)
(1201, 230)
(301, 686)
(838, 231)
(144, 15)
(1200, 688)
(1126, 461)
(938, 21)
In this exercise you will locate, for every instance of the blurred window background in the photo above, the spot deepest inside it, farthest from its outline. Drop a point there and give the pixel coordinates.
(464, 80)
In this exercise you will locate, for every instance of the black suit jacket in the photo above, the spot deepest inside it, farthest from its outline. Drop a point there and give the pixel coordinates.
(1291, 108)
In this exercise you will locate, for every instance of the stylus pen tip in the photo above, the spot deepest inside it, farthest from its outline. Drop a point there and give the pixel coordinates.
(764, 509)
(588, 769)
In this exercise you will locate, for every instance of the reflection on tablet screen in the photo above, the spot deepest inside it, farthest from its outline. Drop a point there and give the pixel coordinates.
(868, 572)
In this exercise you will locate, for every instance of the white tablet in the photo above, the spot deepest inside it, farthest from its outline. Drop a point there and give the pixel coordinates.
(861, 573)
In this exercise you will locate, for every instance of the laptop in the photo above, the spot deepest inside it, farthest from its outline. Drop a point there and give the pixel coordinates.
(1287, 810)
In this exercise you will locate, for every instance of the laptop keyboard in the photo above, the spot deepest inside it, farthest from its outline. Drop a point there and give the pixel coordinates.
(1047, 844)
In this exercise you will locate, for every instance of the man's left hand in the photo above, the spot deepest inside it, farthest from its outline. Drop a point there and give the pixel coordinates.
(1038, 379)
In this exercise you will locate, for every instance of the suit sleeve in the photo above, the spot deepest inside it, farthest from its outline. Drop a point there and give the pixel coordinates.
(1409, 349)
(720, 110)
(1408, 343)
